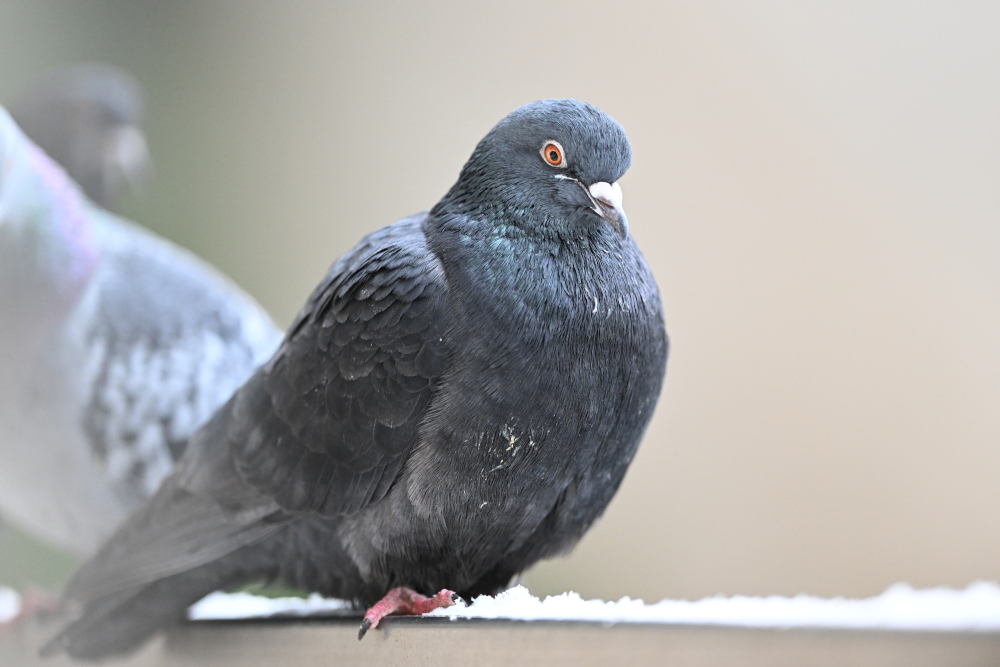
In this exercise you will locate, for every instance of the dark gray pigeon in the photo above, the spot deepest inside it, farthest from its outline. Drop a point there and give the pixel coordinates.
(89, 118)
(459, 398)
(115, 345)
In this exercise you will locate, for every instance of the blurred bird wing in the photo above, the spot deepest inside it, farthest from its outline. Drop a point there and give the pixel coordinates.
(176, 337)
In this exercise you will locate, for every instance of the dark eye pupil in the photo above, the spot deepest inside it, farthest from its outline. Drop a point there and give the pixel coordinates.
(553, 156)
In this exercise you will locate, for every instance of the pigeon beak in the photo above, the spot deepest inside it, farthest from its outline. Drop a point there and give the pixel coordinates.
(127, 153)
(607, 200)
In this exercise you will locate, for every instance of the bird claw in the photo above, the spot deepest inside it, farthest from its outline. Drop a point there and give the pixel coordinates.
(405, 600)
(365, 624)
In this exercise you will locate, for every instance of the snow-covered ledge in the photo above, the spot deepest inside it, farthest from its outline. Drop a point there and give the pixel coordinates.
(977, 608)
(902, 626)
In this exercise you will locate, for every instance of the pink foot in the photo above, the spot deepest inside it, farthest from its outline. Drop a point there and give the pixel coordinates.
(33, 602)
(404, 600)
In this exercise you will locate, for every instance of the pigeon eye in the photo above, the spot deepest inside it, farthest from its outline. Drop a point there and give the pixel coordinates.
(552, 153)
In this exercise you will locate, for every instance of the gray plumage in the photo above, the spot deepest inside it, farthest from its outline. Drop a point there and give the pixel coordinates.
(115, 345)
(460, 397)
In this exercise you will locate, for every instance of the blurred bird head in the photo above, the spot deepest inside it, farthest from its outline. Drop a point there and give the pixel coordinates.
(89, 119)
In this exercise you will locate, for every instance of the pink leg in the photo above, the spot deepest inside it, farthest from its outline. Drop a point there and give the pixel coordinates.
(404, 600)
(34, 602)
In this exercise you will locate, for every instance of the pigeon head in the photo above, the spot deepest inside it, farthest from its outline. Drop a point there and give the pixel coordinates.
(88, 118)
(550, 168)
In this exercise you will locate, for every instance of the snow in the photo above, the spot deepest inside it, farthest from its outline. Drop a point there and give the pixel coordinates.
(976, 608)
(898, 608)
(218, 606)
(10, 604)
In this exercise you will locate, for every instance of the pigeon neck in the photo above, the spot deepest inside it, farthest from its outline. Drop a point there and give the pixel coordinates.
(497, 219)
(47, 244)
(518, 225)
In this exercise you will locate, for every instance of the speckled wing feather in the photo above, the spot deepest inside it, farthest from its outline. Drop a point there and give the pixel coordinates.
(195, 341)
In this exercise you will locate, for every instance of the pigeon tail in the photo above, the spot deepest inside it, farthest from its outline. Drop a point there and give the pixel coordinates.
(119, 623)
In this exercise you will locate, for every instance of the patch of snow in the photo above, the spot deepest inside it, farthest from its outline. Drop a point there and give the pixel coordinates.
(226, 606)
(900, 607)
(10, 604)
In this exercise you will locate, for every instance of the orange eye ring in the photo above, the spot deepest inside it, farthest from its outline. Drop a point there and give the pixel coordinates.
(553, 154)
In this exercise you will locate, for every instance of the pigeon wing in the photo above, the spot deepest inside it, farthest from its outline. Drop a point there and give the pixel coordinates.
(351, 383)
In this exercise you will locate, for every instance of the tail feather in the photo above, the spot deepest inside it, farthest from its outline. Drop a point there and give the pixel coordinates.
(121, 622)
(179, 546)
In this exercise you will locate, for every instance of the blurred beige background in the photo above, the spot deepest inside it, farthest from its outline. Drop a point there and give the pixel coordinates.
(816, 185)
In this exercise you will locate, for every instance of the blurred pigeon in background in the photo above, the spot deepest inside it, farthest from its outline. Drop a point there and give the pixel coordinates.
(114, 346)
(459, 397)
(89, 119)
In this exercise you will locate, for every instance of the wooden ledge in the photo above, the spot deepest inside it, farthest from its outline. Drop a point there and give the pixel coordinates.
(435, 641)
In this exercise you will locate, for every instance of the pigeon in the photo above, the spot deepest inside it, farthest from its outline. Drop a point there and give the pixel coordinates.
(115, 345)
(458, 398)
(89, 118)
